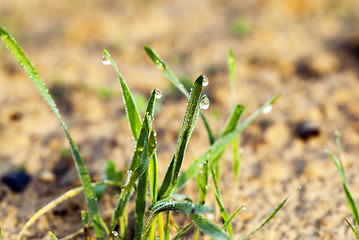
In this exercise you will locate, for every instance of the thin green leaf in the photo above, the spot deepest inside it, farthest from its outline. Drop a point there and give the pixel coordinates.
(160, 64)
(353, 230)
(348, 195)
(188, 124)
(209, 228)
(53, 236)
(25, 63)
(167, 228)
(221, 208)
(231, 124)
(203, 183)
(140, 207)
(180, 233)
(132, 112)
(86, 224)
(232, 74)
(271, 216)
(230, 219)
(217, 148)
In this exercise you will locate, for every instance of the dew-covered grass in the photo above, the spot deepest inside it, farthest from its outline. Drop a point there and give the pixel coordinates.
(141, 182)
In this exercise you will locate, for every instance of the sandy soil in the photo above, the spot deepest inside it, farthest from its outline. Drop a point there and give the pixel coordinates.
(306, 50)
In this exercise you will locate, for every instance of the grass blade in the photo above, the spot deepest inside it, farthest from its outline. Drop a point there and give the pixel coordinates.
(221, 208)
(229, 220)
(86, 224)
(348, 195)
(353, 230)
(180, 233)
(232, 74)
(187, 127)
(160, 64)
(140, 207)
(25, 63)
(271, 216)
(209, 227)
(53, 236)
(132, 112)
(217, 148)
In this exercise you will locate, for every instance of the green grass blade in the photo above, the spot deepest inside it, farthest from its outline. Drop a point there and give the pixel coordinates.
(353, 230)
(167, 228)
(231, 124)
(348, 195)
(166, 71)
(203, 183)
(160, 64)
(189, 121)
(132, 112)
(140, 207)
(221, 208)
(53, 236)
(217, 148)
(180, 233)
(25, 63)
(230, 219)
(209, 228)
(86, 224)
(271, 216)
(232, 74)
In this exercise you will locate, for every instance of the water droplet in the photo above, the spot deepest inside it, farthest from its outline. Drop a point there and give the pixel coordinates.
(267, 109)
(105, 60)
(210, 216)
(160, 65)
(115, 233)
(244, 208)
(205, 81)
(204, 104)
(158, 94)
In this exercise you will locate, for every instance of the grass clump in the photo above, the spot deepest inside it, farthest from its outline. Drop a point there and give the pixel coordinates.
(141, 178)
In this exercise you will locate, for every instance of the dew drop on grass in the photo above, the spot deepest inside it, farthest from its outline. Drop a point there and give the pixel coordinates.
(158, 94)
(105, 60)
(210, 216)
(160, 65)
(267, 109)
(244, 208)
(204, 104)
(205, 81)
(115, 233)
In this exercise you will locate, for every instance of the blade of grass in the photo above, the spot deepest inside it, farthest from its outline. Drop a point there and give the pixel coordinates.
(232, 74)
(84, 176)
(353, 230)
(176, 82)
(348, 195)
(132, 112)
(229, 220)
(180, 233)
(217, 148)
(221, 208)
(53, 236)
(209, 227)
(189, 121)
(231, 124)
(167, 228)
(271, 216)
(140, 207)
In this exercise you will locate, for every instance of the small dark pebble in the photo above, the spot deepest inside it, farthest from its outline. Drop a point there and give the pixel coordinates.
(16, 181)
(305, 130)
